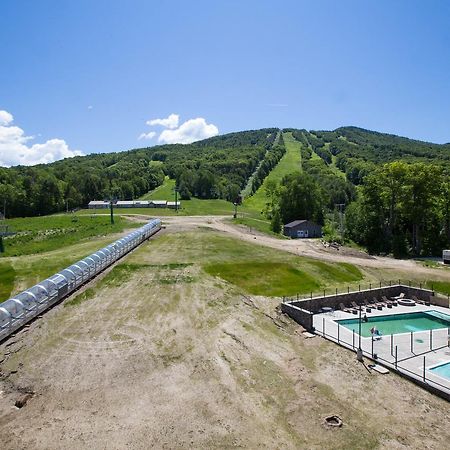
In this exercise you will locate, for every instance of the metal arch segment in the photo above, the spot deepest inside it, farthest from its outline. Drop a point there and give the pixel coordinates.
(43, 287)
(6, 311)
(68, 270)
(30, 293)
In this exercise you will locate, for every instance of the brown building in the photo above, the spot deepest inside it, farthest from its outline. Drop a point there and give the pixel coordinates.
(302, 229)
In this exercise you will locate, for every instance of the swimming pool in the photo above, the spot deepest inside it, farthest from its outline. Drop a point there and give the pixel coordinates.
(442, 370)
(399, 323)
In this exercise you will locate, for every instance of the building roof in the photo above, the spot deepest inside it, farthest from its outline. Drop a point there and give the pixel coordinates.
(98, 202)
(295, 223)
(159, 202)
(173, 203)
(125, 202)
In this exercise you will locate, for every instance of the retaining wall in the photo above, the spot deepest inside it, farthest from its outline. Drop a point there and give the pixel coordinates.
(302, 311)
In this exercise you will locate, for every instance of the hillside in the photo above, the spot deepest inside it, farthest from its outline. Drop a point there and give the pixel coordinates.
(217, 168)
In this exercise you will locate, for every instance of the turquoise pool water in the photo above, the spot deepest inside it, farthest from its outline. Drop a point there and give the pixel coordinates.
(399, 323)
(443, 370)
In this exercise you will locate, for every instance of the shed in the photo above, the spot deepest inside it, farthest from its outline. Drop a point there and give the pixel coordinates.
(98, 204)
(302, 229)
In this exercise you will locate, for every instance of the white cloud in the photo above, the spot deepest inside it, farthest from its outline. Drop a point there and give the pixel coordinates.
(90, 107)
(14, 149)
(149, 135)
(190, 131)
(170, 122)
(5, 117)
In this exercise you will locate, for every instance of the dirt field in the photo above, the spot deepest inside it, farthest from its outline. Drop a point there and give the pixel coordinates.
(161, 355)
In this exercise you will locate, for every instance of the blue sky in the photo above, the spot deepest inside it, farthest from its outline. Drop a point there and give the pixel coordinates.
(91, 73)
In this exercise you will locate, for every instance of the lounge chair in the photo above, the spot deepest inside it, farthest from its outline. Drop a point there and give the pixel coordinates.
(367, 305)
(399, 297)
(356, 306)
(420, 302)
(345, 309)
(377, 304)
(387, 301)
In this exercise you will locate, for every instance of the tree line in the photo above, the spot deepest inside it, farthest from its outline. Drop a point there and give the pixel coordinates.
(214, 168)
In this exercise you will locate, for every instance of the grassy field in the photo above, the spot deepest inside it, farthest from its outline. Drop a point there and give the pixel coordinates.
(41, 249)
(44, 234)
(290, 162)
(253, 269)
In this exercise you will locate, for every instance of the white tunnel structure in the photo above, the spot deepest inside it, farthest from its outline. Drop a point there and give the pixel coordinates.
(23, 307)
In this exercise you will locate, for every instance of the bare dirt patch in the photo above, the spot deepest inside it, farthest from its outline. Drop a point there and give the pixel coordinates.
(174, 358)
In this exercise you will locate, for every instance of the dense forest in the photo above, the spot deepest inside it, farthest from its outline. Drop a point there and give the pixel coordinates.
(214, 168)
(395, 191)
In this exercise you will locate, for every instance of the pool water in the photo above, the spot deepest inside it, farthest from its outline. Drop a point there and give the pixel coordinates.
(399, 323)
(443, 370)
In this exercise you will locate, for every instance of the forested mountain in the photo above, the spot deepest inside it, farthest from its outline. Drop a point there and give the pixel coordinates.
(214, 168)
(396, 191)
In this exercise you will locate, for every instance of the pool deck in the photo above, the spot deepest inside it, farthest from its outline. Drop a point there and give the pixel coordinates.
(414, 351)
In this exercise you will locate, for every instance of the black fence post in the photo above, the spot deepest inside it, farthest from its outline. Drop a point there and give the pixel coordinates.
(392, 345)
(370, 286)
(431, 339)
(336, 292)
(412, 349)
(372, 345)
(353, 339)
(324, 292)
(359, 287)
(348, 290)
(380, 284)
(338, 333)
(395, 356)
(424, 374)
(323, 326)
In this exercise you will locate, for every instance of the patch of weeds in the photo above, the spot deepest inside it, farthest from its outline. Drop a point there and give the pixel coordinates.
(80, 298)
(175, 280)
(7, 277)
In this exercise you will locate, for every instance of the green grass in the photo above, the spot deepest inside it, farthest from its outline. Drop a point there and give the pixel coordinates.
(439, 286)
(252, 268)
(339, 272)
(163, 192)
(260, 225)
(265, 278)
(44, 234)
(7, 276)
(290, 162)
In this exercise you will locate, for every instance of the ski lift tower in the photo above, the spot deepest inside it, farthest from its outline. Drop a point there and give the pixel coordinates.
(4, 231)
